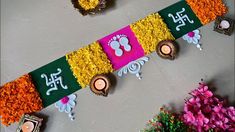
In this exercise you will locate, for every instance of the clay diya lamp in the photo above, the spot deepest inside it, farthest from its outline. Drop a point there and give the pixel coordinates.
(89, 6)
(167, 49)
(100, 85)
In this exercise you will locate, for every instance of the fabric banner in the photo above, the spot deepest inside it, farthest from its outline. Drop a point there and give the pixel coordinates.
(180, 19)
(54, 81)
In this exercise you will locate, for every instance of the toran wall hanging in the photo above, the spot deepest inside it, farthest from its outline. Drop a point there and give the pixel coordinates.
(124, 50)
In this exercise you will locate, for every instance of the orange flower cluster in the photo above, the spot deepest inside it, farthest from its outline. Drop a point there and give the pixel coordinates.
(18, 98)
(207, 10)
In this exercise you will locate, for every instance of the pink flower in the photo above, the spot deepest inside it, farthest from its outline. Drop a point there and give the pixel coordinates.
(202, 92)
(189, 117)
(231, 113)
(201, 119)
(208, 93)
(205, 112)
(217, 109)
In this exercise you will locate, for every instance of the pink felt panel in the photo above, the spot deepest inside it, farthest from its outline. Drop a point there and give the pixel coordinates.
(126, 55)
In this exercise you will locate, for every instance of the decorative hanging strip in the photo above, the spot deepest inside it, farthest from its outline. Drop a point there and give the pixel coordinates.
(62, 77)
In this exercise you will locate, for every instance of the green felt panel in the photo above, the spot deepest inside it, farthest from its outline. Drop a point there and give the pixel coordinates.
(54, 81)
(180, 19)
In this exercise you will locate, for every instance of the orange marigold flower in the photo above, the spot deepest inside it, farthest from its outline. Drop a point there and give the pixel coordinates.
(17, 98)
(207, 10)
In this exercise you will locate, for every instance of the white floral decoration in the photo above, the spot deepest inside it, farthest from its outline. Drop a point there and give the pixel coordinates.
(133, 67)
(66, 104)
(193, 38)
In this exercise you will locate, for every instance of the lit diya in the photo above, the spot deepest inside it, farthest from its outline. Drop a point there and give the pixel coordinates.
(89, 6)
(100, 85)
(28, 126)
(167, 49)
(29, 123)
(224, 25)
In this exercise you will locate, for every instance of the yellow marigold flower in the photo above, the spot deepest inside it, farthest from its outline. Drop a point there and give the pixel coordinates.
(150, 31)
(88, 4)
(88, 62)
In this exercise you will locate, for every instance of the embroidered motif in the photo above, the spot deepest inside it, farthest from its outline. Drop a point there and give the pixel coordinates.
(180, 18)
(54, 81)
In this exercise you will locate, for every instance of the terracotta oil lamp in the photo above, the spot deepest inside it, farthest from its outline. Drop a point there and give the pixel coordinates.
(100, 85)
(167, 49)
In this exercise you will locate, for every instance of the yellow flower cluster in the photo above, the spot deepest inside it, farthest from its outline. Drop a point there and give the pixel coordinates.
(88, 62)
(207, 10)
(88, 4)
(150, 31)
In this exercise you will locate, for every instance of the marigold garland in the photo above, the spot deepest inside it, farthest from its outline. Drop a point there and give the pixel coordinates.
(18, 98)
(207, 10)
(88, 62)
(150, 31)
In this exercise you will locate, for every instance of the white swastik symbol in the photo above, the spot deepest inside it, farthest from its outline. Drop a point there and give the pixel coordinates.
(54, 81)
(180, 18)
